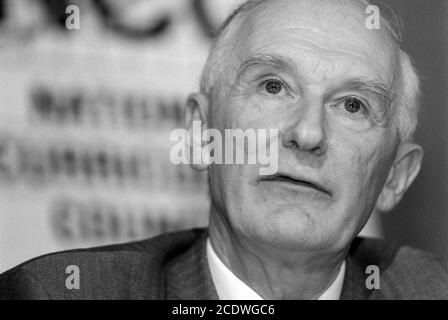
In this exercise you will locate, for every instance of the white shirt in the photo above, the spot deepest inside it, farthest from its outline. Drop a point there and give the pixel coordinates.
(230, 287)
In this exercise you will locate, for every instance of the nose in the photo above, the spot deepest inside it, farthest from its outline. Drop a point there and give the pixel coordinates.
(307, 133)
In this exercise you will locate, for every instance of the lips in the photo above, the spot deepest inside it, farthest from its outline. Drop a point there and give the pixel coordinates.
(299, 181)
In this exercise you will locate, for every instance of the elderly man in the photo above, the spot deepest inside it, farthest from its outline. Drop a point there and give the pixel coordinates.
(343, 98)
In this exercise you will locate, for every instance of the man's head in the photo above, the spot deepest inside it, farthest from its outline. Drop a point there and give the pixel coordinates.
(344, 99)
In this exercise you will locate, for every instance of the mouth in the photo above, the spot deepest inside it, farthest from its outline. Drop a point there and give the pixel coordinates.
(299, 181)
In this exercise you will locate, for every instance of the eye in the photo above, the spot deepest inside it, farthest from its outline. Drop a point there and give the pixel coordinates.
(353, 105)
(273, 87)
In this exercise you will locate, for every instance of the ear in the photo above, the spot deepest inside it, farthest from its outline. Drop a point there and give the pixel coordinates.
(403, 172)
(196, 112)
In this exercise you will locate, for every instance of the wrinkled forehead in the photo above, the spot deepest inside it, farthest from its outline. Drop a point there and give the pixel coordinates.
(322, 38)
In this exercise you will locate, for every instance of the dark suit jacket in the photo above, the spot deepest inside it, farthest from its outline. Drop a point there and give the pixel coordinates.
(174, 266)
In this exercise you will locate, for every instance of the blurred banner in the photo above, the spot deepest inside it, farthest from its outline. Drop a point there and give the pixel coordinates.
(85, 121)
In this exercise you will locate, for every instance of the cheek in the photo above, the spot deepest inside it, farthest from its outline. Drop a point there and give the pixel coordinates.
(246, 111)
(365, 164)
(229, 117)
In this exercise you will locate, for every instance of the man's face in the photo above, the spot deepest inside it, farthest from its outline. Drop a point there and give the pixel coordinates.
(313, 71)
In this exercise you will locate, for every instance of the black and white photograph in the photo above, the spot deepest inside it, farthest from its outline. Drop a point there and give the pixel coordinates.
(223, 150)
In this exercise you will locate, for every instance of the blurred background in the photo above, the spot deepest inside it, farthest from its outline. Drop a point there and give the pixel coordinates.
(86, 113)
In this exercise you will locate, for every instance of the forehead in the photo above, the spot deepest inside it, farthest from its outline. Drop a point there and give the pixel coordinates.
(324, 39)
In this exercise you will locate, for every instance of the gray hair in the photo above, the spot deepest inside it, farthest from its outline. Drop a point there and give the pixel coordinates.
(407, 99)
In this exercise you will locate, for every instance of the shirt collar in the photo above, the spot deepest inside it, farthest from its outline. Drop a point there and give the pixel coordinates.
(230, 287)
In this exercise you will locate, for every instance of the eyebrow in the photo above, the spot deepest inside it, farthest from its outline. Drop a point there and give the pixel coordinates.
(263, 60)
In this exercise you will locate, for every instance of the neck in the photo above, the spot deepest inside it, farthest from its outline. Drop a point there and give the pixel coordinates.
(272, 272)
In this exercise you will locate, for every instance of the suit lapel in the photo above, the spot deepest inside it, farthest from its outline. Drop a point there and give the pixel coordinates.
(188, 276)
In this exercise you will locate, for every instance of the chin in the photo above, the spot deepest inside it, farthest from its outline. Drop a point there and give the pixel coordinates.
(286, 231)
(296, 242)
(300, 231)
